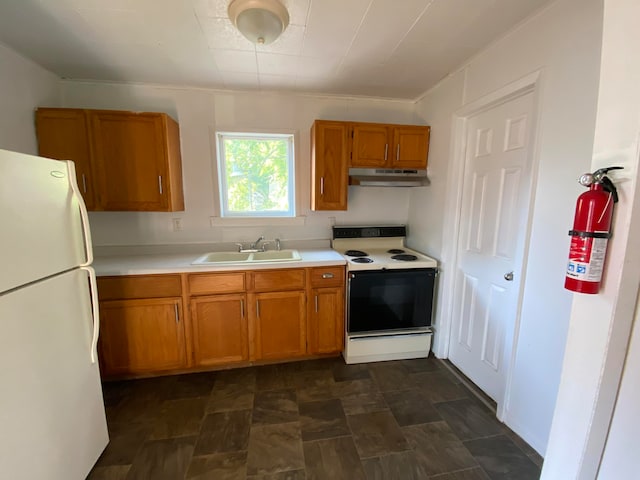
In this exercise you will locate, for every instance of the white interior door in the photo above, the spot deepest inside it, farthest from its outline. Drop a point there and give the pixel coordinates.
(495, 205)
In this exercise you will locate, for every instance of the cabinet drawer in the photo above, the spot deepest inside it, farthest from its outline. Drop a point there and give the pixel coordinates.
(327, 276)
(276, 280)
(212, 283)
(139, 286)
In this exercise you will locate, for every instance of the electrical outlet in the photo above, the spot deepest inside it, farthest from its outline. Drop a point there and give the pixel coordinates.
(176, 224)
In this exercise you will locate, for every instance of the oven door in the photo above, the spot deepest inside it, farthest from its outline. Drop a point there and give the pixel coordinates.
(383, 301)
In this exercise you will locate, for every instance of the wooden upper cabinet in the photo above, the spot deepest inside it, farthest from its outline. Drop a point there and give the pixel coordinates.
(138, 161)
(329, 165)
(370, 145)
(389, 146)
(125, 161)
(411, 147)
(63, 135)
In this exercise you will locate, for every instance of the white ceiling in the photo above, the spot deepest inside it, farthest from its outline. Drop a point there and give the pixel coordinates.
(375, 48)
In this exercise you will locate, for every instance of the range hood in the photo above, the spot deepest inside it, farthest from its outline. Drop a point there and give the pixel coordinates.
(388, 177)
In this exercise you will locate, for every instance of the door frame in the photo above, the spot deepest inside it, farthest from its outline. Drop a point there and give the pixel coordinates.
(530, 83)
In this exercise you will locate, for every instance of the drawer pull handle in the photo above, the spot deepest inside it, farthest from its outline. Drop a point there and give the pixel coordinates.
(327, 275)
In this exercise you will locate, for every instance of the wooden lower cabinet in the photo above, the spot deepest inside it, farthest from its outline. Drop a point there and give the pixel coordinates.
(174, 322)
(326, 320)
(279, 325)
(141, 336)
(220, 329)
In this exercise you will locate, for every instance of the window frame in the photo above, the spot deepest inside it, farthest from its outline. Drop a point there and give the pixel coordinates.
(223, 197)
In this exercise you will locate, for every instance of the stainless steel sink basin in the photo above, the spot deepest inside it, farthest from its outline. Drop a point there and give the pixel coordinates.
(242, 257)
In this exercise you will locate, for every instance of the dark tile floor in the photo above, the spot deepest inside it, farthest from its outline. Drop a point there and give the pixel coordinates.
(318, 419)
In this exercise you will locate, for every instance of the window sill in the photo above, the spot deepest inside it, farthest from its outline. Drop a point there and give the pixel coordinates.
(256, 221)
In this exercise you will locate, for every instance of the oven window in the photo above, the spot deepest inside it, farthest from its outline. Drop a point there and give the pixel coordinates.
(390, 300)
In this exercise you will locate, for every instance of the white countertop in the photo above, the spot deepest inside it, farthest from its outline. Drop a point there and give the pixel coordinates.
(144, 264)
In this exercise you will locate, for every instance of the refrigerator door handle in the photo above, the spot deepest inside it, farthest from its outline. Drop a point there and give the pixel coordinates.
(95, 309)
(88, 248)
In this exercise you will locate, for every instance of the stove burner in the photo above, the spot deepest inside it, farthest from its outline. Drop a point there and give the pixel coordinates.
(395, 251)
(361, 260)
(404, 258)
(356, 253)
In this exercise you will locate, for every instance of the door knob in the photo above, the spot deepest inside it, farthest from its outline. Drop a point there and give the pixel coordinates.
(508, 276)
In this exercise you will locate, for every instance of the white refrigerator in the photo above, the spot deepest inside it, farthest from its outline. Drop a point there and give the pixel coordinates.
(52, 419)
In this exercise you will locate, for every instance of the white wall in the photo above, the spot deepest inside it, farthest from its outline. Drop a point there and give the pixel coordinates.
(199, 113)
(620, 459)
(600, 324)
(23, 87)
(563, 43)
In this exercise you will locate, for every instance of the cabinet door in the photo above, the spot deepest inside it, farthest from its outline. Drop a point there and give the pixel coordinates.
(411, 147)
(329, 165)
(141, 336)
(279, 327)
(370, 145)
(220, 333)
(130, 152)
(326, 320)
(63, 135)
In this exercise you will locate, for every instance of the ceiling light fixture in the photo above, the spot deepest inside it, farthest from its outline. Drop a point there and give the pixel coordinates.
(260, 21)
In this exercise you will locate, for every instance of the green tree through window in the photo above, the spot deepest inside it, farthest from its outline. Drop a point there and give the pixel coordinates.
(256, 172)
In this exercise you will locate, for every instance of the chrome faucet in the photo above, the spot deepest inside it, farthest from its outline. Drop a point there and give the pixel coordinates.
(254, 245)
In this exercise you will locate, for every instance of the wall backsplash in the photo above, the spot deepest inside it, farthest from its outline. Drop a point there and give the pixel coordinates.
(200, 113)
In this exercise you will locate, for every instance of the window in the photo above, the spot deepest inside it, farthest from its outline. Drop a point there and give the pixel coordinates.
(255, 174)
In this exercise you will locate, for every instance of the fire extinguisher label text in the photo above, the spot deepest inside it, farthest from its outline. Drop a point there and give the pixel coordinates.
(586, 258)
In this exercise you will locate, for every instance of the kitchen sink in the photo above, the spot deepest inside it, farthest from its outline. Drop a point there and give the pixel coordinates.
(223, 257)
(244, 257)
(275, 256)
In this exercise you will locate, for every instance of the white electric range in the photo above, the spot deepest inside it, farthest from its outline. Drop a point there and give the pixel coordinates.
(389, 294)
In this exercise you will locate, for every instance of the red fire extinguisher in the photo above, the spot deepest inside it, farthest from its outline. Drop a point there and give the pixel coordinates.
(591, 232)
